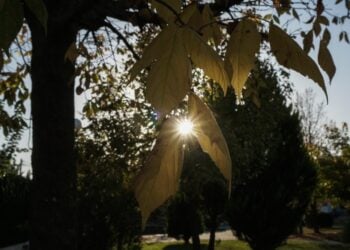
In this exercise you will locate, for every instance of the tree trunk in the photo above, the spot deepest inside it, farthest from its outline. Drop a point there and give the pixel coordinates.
(53, 208)
(211, 244)
(196, 243)
(315, 217)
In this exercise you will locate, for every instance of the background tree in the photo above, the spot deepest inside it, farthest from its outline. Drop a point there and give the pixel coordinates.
(275, 177)
(313, 118)
(111, 149)
(57, 27)
(215, 198)
(185, 219)
(334, 165)
(326, 143)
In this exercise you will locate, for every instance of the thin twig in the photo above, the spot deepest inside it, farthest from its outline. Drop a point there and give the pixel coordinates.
(120, 35)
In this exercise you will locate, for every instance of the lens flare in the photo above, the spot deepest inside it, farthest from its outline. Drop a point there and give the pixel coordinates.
(185, 127)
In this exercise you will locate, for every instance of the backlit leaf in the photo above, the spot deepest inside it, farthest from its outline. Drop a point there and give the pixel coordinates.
(324, 56)
(167, 8)
(205, 24)
(204, 57)
(154, 50)
(209, 135)
(244, 43)
(210, 28)
(39, 9)
(11, 20)
(196, 19)
(170, 76)
(159, 179)
(290, 55)
(188, 12)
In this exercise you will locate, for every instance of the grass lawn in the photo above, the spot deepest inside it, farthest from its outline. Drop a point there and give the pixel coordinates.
(294, 244)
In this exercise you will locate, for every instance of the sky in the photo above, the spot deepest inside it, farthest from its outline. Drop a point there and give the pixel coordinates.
(338, 107)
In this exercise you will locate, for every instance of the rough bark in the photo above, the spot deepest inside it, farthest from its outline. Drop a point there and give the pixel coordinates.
(53, 208)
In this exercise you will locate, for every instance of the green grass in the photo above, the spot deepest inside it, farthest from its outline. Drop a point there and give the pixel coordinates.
(239, 245)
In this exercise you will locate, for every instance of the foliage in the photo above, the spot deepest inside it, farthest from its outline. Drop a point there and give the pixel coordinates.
(8, 152)
(110, 152)
(334, 165)
(201, 197)
(14, 209)
(269, 197)
(328, 144)
(184, 217)
(108, 214)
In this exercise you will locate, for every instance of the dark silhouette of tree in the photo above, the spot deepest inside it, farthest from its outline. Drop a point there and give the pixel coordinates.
(275, 177)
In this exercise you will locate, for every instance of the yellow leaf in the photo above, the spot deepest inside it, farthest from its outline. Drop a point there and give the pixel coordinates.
(170, 76)
(243, 45)
(159, 179)
(167, 9)
(196, 19)
(188, 12)
(205, 57)
(205, 24)
(211, 28)
(72, 53)
(153, 51)
(324, 56)
(209, 135)
(290, 55)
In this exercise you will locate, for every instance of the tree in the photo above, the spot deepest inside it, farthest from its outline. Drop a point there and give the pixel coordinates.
(312, 116)
(327, 144)
(108, 215)
(55, 30)
(274, 177)
(201, 199)
(215, 197)
(334, 165)
(185, 219)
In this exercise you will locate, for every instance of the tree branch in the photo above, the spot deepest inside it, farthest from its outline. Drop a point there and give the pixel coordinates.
(120, 35)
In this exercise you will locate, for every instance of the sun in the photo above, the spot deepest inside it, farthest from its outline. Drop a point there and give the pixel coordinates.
(185, 127)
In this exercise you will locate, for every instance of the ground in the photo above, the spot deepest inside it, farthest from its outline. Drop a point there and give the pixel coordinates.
(329, 239)
(292, 244)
